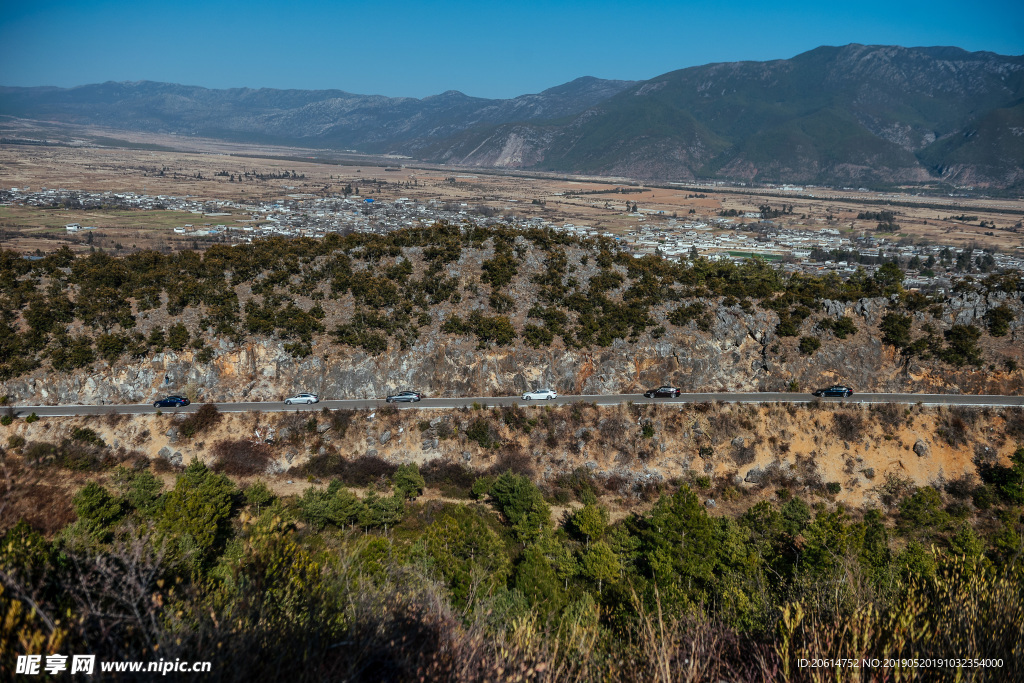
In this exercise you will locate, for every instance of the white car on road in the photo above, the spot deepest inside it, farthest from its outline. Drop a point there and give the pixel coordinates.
(539, 394)
(302, 398)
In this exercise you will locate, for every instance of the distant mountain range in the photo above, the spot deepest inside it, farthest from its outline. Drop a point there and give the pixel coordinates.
(865, 115)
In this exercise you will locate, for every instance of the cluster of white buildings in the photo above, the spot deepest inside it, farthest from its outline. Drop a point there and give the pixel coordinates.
(296, 215)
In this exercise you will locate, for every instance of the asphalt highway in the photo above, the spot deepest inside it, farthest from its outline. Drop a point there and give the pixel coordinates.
(728, 397)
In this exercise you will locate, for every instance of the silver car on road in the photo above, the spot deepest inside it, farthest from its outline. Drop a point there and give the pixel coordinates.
(302, 398)
(539, 395)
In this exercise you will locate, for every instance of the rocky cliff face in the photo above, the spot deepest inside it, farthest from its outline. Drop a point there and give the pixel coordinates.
(741, 352)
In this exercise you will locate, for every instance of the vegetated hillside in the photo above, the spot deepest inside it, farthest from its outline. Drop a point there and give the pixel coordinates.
(853, 114)
(989, 147)
(322, 118)
(379, 568)
(462, 310)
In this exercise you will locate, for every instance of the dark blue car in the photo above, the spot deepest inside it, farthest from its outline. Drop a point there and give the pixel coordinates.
(837, 391)
(171, 402)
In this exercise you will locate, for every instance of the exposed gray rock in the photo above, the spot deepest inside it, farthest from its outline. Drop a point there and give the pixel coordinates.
(834, 309)
(754, 476)
(921, 448)
(385, 437)
(870, 309)
(736, 354)
(738, 442)
(371, 453)
(172, 435)
(176, 459)
(968, 307)
(710, 502)
(164, 453)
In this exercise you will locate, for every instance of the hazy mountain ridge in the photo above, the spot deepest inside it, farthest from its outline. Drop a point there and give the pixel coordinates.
(324, 118)
(851, 115)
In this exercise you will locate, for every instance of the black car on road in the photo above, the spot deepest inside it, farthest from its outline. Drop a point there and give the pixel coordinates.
(409, 396)
(662, 392)
(172, 402)
(835, 391)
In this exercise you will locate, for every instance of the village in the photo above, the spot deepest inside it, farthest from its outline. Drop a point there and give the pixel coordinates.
(714, 237)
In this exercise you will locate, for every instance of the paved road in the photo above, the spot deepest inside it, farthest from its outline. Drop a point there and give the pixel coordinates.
(764, 397)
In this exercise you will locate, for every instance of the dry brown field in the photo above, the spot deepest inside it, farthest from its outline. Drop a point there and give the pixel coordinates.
(581, 200)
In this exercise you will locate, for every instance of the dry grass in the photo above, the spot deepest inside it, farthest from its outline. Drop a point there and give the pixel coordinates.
(956, 425)
(847, 426)
(787, 453)
(25, 494)
(200, 421)
(362, 471)
(890, 415)
(241, 458)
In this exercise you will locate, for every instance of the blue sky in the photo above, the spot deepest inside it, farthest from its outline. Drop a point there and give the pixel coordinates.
(485, 49)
